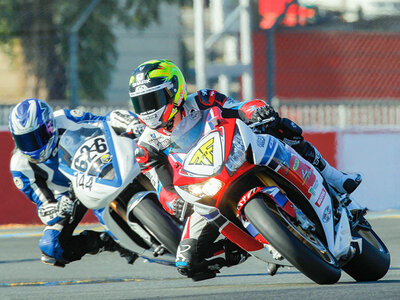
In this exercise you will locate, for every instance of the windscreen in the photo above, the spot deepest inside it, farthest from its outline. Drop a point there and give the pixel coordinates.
(188, 132)
(83, 148)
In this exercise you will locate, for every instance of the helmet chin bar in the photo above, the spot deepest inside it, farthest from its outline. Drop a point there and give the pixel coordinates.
(170, 124)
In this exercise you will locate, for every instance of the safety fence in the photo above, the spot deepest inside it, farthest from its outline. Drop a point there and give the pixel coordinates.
(315, 114)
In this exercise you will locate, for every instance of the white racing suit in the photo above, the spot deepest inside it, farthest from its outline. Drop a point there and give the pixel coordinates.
(201, 251)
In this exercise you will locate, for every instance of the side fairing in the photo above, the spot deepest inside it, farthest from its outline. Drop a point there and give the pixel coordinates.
(269, 151)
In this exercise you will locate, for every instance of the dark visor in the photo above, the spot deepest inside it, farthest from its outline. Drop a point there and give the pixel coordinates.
(150, 101)
(34, 140)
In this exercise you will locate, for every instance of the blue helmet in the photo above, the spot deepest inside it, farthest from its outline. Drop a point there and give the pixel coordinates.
(32, 126)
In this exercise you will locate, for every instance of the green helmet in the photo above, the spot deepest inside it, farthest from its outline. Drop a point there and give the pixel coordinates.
(158, 90)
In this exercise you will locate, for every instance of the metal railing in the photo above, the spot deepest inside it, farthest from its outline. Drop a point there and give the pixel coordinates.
(318, 115)
(343, 114)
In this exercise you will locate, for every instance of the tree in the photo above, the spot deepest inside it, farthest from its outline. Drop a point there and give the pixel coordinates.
(42, 29)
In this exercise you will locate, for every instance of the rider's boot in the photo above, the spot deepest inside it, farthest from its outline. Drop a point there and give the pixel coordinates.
(219, 254)
(93, 242)
(108, 244)
(189, 264)
(52, 261)
(341, 182)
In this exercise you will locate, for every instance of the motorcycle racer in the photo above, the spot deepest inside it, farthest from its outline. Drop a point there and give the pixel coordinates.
(34, 167)
(158, 92)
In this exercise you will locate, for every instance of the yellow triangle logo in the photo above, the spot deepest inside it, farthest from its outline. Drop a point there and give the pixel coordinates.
(204, 156)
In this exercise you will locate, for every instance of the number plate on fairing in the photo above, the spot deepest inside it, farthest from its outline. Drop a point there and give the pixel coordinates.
(207, 157)
(89, 160)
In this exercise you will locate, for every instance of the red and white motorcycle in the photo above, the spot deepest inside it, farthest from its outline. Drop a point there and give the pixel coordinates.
(267, 199)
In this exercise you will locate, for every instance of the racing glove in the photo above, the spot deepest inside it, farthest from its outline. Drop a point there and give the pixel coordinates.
(265, 112)
(123, 121)
(65, 206)
(136, 127)
(52, 212)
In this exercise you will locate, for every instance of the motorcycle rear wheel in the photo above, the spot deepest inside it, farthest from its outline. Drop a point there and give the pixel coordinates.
(159, 224)
(306, 253)
(374, 260)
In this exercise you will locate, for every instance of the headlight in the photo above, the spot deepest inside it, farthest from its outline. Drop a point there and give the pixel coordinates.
(207, 188)
(237, 156)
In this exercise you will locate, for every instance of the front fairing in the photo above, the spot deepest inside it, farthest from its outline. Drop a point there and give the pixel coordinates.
(98, 163)
(198, 146)
(266, 151)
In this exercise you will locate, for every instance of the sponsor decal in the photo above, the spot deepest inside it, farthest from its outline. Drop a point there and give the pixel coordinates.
(260, 141)
(204, 156)
(306, 174)
(321, 198)
(296, 164)
(18, 183)
(140, 82)
(271, 143)
(105, 158)
(252, 108)
(140, 77)
(327, 214)
(140, 88)
(76, 113)
(246, 197)
(312, 188)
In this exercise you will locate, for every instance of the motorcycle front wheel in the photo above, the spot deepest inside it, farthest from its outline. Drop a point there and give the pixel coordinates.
(159, 224)
(374, 260)
(302, 249)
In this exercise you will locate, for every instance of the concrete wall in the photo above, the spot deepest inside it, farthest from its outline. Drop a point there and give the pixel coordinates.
(376, 155)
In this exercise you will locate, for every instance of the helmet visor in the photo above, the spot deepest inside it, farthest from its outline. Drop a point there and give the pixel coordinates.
(34, 140)
(151, 101)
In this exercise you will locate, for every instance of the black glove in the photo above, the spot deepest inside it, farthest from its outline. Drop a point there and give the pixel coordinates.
(264, 112)
(179, 206)
(289, 132)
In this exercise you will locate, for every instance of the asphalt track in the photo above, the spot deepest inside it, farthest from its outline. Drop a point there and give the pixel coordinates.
(107, 276)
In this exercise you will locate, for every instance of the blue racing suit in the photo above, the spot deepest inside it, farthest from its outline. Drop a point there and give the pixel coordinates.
(45, 185)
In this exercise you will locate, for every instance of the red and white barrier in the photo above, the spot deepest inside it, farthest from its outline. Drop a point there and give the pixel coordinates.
(15, 208)
(375, 154)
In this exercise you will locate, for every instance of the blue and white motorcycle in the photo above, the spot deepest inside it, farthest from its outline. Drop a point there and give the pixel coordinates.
(105, 177)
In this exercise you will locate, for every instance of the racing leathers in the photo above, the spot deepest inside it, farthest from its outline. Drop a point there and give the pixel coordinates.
(202, 247)
(49, 189)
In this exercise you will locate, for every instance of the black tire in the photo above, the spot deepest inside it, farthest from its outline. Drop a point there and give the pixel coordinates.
(276, 231)
(159, 223)
(373, 262)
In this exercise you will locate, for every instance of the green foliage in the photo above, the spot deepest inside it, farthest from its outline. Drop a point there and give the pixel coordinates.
(42, 27)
